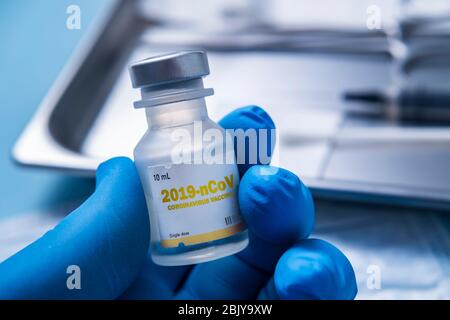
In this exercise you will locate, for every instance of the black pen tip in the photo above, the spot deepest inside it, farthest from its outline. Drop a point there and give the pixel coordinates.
(365, 96)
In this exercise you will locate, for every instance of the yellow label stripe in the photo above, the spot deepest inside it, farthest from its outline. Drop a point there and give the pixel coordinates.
(204, 237)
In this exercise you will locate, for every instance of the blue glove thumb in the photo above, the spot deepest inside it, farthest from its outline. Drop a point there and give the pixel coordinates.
(95, 252)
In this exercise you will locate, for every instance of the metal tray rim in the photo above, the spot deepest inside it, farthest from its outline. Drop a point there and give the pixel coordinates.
(35, 134)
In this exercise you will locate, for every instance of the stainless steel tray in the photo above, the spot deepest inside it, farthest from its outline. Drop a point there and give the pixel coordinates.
(88, 117)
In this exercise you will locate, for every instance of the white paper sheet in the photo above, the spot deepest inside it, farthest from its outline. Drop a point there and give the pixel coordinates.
(411, 250)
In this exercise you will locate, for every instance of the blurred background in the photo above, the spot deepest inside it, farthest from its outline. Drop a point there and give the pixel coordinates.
(359, 91)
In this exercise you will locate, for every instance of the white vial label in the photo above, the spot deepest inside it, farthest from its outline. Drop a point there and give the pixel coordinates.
(195, 203)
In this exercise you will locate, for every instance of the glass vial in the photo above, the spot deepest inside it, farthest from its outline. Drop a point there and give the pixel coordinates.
(190, 180)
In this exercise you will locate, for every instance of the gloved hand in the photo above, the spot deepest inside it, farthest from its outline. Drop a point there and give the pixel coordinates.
(108, 238)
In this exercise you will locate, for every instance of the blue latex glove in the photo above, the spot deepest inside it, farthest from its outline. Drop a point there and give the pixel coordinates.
(108, 238)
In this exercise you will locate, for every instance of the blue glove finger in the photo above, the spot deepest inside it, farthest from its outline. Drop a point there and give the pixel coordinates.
(253, 118)
(312, 269)
(156, 282)
(278, 210)
(107, 238)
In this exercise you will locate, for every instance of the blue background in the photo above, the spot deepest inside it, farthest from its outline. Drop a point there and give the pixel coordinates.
(35, 45)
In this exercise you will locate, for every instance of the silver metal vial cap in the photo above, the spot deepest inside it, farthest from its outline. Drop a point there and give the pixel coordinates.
(170, 78)
(169, 68)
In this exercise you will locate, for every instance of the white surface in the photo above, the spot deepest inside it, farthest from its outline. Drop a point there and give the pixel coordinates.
(332, 14)
(411, 249)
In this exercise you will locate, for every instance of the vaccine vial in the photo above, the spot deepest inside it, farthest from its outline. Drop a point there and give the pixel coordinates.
(190, 180)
